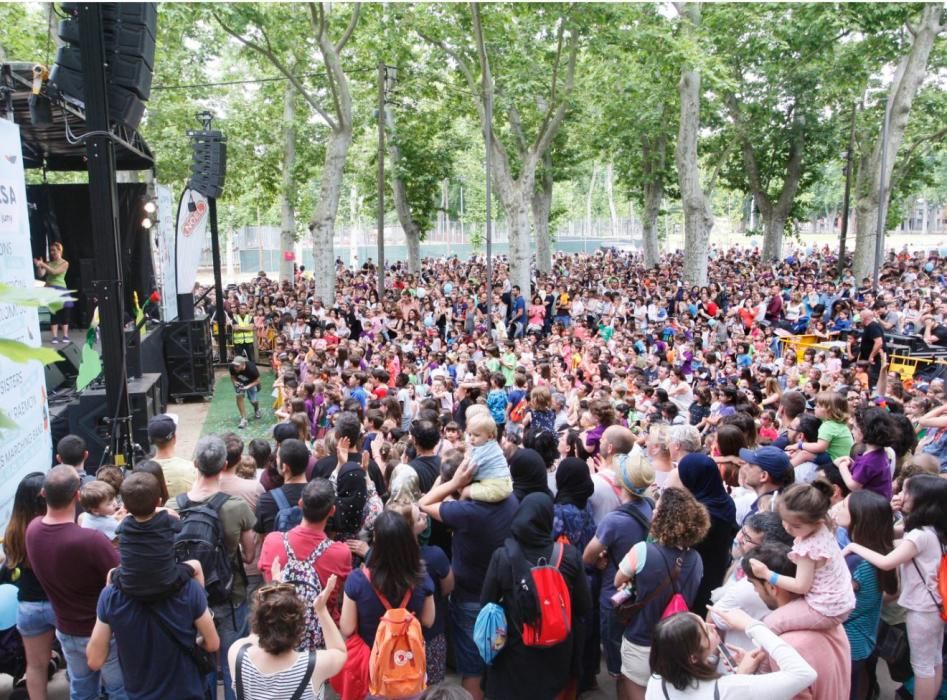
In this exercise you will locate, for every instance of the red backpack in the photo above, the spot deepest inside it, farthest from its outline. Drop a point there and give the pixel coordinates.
(555, 604)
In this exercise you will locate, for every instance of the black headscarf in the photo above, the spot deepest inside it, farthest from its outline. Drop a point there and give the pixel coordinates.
(701, 476)
(573, 482)
(351, 497)
(532, 523)
(531, 539)
(529, 473)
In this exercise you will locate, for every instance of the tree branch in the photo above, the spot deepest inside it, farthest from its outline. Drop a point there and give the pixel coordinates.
(461, 63)
(517, 127)
(551, 125)
(936, 136)
(555, 66)
(713, 178)
(349, 29)
(482, 53)
(793, 168)
(749, 158)
(486, 75)
(318, 18)
(267, 51)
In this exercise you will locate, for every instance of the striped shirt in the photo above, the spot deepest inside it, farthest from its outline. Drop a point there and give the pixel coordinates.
(276, 686)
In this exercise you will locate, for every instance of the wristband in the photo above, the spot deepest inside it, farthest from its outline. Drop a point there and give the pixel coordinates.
(799, 445)
(774, 578)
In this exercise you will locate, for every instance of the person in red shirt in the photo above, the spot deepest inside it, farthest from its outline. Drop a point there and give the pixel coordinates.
(318, 505)
(380, 383)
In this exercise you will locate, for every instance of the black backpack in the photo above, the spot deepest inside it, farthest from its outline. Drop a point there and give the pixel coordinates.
(202, 538)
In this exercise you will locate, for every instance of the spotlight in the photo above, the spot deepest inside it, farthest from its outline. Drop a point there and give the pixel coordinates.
(150, 208)
(146, 223)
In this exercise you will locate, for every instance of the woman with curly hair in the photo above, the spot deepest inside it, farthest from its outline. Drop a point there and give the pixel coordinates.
(266, 664)
(659, 569)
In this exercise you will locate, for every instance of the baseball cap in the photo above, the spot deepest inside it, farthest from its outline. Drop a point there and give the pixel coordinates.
(239, 360)
(771, 460)
(162, 427)
(284, 431)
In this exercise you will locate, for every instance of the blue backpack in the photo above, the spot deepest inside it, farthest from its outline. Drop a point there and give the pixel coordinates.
(490, 632)
(287, 516)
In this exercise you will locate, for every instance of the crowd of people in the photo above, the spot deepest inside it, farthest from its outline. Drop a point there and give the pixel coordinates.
(608, 473)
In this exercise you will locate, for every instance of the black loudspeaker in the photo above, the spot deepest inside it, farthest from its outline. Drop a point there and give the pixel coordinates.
(189, 359)
(124, 107)
(59, 420)
(913, 343)
(67, 369)
(133, 353)
(88, 419)
(72, 354)
(208, 163)
(54, 377)
(129, 34)
(186, 339)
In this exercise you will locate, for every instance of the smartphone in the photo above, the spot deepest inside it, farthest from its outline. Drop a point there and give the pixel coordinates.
(728, 656)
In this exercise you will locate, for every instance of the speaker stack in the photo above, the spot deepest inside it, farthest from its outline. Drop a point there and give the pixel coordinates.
(129, 30)
(209, 162)
(89, 420)
(189, 359)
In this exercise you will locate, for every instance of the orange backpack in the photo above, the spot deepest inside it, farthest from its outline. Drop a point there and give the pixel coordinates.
(397, 667)
(518, 413)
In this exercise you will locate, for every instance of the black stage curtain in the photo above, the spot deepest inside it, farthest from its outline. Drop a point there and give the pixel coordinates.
(61, 213)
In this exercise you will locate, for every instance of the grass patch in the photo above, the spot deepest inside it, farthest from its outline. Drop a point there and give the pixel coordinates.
(223, 416)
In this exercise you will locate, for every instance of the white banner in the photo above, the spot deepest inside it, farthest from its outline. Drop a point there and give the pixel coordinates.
(164, 254)
(27, 447)
(192, 220)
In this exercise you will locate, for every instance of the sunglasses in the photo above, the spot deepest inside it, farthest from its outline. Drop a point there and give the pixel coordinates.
(268, 589)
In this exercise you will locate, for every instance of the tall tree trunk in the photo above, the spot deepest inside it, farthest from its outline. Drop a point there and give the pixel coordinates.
(542, 205)
(774, 213)
(774, 227)
(910, 74)
(610, 192)
(287, 239)
(412, 232)
(442, 217)
(355, 205)
(588, 201)
(698, 216)
(653, 157)
(517, 215)
(654, 193)
(515, 194)
(322, 224)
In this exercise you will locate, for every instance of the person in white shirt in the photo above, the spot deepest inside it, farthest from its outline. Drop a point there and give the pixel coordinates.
(685, 652)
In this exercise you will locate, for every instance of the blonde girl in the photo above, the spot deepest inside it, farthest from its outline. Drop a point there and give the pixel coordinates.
(834, 436)
(541, 411)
